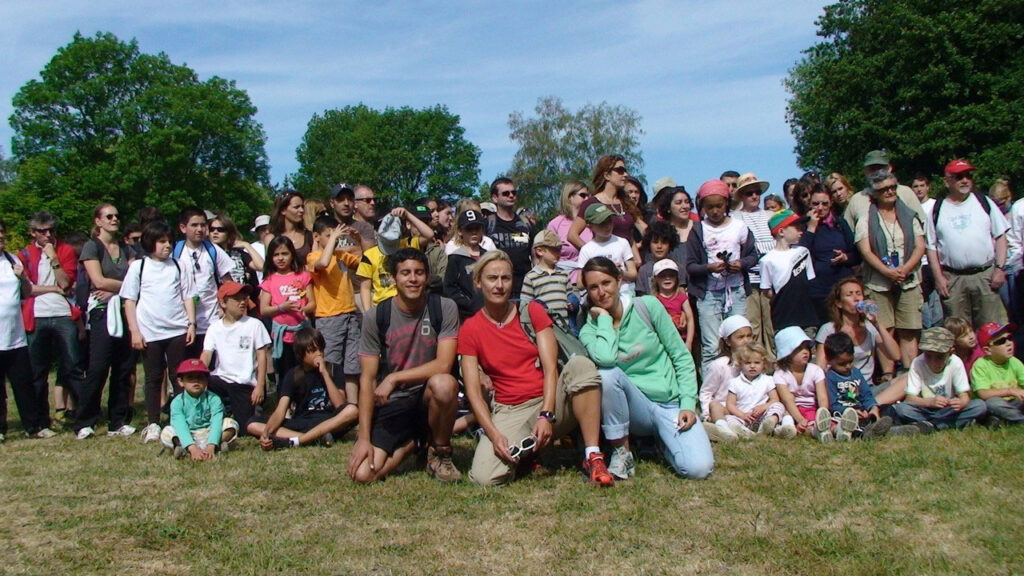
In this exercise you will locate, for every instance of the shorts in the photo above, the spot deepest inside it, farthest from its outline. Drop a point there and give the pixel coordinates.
(402, 419)
(900, 309)
(341, 339)
(306, 422)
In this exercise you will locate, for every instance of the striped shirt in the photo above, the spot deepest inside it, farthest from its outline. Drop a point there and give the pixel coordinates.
(757, 222)
(551, 289)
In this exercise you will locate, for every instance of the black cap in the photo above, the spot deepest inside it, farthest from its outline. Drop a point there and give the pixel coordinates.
(342, 189)
(470, 218)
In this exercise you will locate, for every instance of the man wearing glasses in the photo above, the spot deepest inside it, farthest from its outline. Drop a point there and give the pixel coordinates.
(967, 249)
(205, 264)
(366, 206)
(860, 202)
(49, 320)
(511, 233)
(345, 208)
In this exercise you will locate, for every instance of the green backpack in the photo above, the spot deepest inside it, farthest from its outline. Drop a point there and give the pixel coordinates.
(568, 345)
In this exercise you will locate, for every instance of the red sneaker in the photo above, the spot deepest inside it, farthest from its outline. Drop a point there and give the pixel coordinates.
(595, 467)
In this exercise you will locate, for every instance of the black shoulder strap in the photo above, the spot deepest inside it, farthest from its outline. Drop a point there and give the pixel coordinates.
(9, 258)
(938, 204)
(491, 223)
(436, 315)
(383, 324)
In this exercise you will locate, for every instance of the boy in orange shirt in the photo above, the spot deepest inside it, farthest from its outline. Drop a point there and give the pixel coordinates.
(336, 315)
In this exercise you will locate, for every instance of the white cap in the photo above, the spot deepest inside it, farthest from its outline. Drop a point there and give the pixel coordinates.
(732, 324)
(261, 220)
(665, 264)
(789, 339)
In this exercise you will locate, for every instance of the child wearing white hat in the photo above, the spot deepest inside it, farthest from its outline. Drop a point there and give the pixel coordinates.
(734, 333)
(801, 384)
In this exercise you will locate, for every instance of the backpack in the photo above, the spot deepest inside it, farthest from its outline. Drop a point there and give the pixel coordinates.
(142, 265)
(982, 199)
(179, 246)
(384, 323)
(568, 345)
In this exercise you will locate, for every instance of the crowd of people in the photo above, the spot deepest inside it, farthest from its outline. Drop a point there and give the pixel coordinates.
(823, 312)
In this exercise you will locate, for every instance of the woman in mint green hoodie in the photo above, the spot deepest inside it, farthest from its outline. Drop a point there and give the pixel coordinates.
(648, 379)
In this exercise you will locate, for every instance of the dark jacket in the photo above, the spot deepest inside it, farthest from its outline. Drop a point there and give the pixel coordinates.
(697, 261)
(822, 244)
(458, 282)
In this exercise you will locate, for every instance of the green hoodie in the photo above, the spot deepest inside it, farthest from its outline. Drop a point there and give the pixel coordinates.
(658, 364)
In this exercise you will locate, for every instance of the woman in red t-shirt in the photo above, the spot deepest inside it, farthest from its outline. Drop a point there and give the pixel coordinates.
(532, 403)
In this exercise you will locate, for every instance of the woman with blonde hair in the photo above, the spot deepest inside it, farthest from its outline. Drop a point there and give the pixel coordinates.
(838, 186)
(574, 194)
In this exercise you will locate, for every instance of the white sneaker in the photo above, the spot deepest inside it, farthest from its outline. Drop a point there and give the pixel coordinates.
(720, 434)
(741, 431)
(2, 437)
(621, 464)
(767, 426)
(150, 433)
(786, 431)
(84, 433)
(44, 434)
(124, 430)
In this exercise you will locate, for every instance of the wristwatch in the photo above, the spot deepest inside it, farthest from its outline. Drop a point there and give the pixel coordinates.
(546, 415)
(1001, 267)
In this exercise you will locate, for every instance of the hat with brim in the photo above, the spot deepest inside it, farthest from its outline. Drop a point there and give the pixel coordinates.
(665, 265)
(488, 207)
(547, 238)
(261, 220)
(789, 339)
(936, 339)
(988, 332)
(471, 218)
(389, 232)
(192, 366)
(959, 167)
(342, 189)
(877, 158)
(784, 218)
(748, 180)
(597, 213)
(231, 288)
(662, 183)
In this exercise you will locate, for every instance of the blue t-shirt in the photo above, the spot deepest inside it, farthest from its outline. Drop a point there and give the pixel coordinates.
(851, 391)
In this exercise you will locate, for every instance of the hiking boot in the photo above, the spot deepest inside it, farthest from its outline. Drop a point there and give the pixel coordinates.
(741, 431)
(767, 426)
(720, 434)
(878, 428)
(439, 463)
(596, 470)
(621, 463)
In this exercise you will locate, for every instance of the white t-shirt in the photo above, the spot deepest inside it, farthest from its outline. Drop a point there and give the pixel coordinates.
(863, 353)
(160, 313)
(926, 206)
(236, 347)
(1015, 237)
(12, 329)
(615, 249)
(485, 244)
(951, 382)
(715, 387)
(728, 237)
(203, 280)
(262, 251)
(779, 266)
(964, 234)
(51, 304)
(751, 393)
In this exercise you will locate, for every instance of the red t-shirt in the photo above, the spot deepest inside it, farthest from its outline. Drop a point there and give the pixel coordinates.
(673, 305)
(507, 354)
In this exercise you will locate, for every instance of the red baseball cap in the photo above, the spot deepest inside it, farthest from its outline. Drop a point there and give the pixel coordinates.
(192, 366)
(230, 288)
(990, 330)
(959, 167)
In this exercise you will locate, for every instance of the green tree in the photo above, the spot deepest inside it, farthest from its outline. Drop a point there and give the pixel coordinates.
(106, 122)
(929, 81)
(558, 144)
(402, 153)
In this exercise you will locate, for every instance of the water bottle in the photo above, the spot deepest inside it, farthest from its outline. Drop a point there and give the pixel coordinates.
(867, 307)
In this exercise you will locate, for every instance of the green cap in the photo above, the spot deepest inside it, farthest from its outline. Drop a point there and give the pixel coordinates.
(877, 158)
(597, 213)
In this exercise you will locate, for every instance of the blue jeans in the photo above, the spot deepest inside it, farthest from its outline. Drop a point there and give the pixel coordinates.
(712, 310)
(942, 418)
(625, 409)
(60, 335)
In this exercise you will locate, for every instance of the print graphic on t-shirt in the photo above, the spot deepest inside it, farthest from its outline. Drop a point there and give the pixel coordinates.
(848, 392)
(961, 221)
(238, 270)
(412, 344)
(801, 265)
(316, 400)
(293, 290)
(244, 342)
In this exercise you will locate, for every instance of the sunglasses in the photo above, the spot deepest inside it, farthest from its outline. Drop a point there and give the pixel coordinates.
(508, 193)
(581, 194)
(753, 192)
(999, 341)
(962, 176)
(885, 189)
(525, 445)
(112, 216)
(620, 170)
(43, 230)
(218, 229)
(821, 203)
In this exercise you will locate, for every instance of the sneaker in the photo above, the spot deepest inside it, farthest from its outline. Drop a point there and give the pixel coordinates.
(925, 428)
(621, 463)
(741, 431)
(904, 430)
(84, 433)
(786, 431)
(44, 434)
(327, 440)
(767, 426)
(878, 428)
(178, 452)
(595, 468)
(720, 434)
(439, 463)
(848, 421)
(2, 438)
(124, 430)
(150, 433)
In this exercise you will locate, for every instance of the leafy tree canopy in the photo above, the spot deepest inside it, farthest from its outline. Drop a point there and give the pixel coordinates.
(402, 153)
(929, 81)
(107, 123)
(558, 144)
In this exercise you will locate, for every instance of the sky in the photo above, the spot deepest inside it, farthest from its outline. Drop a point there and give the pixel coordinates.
(705, 76)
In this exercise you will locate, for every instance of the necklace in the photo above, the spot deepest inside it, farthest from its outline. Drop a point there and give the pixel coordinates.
(501, 323)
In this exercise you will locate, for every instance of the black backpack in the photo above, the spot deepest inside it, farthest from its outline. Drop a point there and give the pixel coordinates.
(982, 199)
(384, 323)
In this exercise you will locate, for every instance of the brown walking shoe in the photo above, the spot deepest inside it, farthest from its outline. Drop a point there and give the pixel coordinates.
(439, 463)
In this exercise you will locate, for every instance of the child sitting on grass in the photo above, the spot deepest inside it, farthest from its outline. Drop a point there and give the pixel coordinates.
(735, 332)
(998, 378)
(198, 426)
(673, 297)
(850, 398)
(965, 342)
(938, 393)
(320, 407)
(753, 402)
(801, 384)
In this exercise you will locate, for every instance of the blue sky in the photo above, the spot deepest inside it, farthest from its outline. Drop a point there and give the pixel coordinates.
(705, 76)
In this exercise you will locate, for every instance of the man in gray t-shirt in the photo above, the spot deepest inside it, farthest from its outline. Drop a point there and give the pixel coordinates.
(406, 384)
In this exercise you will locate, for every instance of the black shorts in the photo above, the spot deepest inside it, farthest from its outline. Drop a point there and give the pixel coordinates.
(307, 421)
(400, 420)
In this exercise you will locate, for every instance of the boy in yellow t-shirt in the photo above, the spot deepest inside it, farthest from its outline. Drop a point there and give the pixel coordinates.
(998, 378)
(336, 315)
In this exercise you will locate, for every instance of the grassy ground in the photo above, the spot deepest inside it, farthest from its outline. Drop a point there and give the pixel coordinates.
(942, 504)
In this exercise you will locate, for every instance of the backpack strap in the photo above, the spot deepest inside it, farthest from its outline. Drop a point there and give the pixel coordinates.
(436, 315)
(178, 247)
(212, 251)
(383, 324)
(643, 311)
(938, 205)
